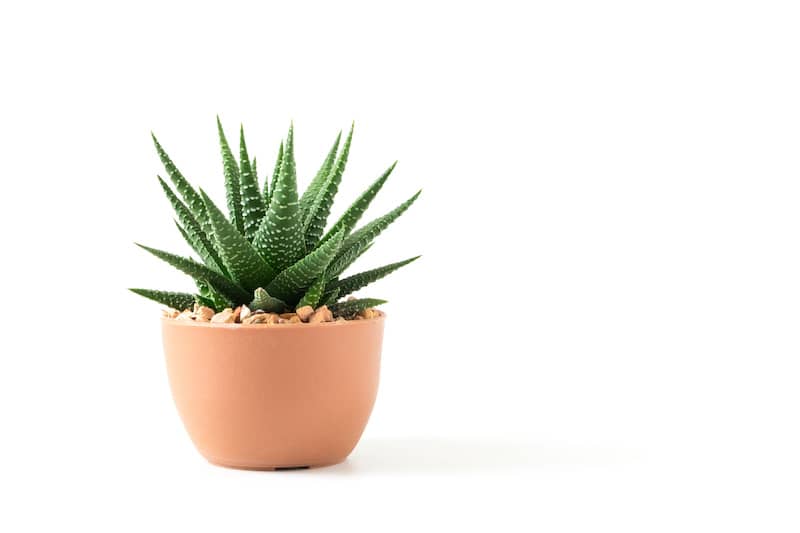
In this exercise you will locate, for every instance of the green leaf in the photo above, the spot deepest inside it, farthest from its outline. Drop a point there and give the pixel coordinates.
(186, 236)
(343, 261)
(269, 188)
(244, 264)
(197, 271)
(317, 214)
(313, 294)
(221, 269)
(330, 297)
(205, 301)
(184, 188)
(263, 301)
(279, 240)
(233, 187)
(312, 191)
(190, 196)
(192, 232)
(350, 308)
(362, 279)
(367, 234)
(211, 298)
(176, 300)
(252, 202)
(291, 283)
(353, 214)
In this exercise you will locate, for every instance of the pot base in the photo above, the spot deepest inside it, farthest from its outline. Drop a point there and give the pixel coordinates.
(271, 468)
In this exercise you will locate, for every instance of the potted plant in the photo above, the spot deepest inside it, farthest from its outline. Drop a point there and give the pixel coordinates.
(271, 364)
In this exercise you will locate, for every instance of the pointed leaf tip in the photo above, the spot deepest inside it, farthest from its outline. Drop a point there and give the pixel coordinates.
(310, 195)
(316, 215)
(353, 213)
(279, 238)
(352, 307)
(363, 236)
(199, 271)
(362, 279)
(174, 300)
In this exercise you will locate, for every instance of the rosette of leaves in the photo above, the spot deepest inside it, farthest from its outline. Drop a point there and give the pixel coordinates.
(271, 251)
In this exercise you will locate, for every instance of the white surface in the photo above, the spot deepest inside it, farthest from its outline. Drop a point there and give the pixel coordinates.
(601, 335)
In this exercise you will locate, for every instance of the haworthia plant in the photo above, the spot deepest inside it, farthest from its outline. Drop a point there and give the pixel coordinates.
(349, 308)
(264, 302)
(279, 239)
(233, 185)
(357, 281)
(186, 190)
(192, 232)
(214, 279)
(271, 251)
(353, 214)
(252, 201)
(314, 293)
(209, 297)
(362, 237)
(190, 196)
(246, 267)
(313, 188)
(269, 187)
(330, 299)
(317, 214)
(176, 300)
(341, 263)
(294, 280)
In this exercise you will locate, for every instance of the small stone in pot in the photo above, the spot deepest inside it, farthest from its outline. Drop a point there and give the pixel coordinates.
(305, 312)
(226, 316)
(322, 314)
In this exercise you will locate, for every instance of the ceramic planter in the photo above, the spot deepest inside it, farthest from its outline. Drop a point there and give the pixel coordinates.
(277, 396)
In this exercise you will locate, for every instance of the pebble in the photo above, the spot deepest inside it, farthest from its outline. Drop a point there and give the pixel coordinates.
(322, 314)
(203, 314)
(305, 312)
(226, 316)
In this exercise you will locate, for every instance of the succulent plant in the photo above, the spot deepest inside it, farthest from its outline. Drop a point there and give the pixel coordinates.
(271, 252)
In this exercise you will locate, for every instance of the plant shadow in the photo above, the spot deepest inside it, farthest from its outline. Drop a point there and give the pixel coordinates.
(436, 456)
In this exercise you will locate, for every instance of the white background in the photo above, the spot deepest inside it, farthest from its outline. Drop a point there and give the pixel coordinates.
(602, 334)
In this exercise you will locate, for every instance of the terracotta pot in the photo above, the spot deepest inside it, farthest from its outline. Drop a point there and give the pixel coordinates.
(277, 396)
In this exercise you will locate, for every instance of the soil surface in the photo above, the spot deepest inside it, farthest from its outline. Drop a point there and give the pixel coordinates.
(243, 315)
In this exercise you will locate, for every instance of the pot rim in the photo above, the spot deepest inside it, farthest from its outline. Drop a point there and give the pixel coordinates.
(305, 325)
